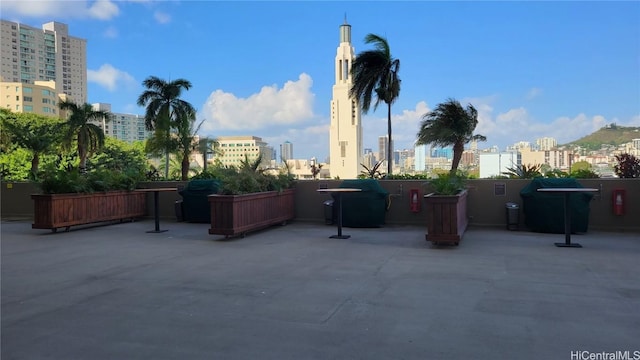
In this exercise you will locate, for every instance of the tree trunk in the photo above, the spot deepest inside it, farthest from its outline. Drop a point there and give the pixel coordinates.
(166, 165)
(185, 167)
(204, 162)
(458, 149)
(389, 150)
(34, 163)
(82, 154)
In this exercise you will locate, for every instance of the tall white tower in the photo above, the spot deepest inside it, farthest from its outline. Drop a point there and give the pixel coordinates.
(345, 142)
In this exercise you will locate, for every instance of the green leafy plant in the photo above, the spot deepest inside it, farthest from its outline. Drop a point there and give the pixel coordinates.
(556, 174)
(523, 171)
(584, 174)
(447, 184)
(373, 172)
(247, 178)
(56, 181)
(628, 166)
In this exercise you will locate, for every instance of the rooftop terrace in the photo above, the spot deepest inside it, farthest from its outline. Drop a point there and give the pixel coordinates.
(117, 292)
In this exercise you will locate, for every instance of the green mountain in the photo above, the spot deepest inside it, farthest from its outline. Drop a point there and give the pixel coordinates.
(610, 134)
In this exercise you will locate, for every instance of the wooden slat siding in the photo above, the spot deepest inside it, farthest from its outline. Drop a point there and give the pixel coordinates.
(446, 217)
(236, 214)
(62, 210)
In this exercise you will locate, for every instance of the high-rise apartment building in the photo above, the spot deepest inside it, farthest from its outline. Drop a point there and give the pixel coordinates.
(546, 143)
(126, 127)
(383, 152)
(286, 151)
(345, 136)
(31, 54)
(421, 153)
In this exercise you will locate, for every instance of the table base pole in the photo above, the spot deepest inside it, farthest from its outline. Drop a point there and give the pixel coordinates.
(564, 244)
(339, 236)
(156, 231)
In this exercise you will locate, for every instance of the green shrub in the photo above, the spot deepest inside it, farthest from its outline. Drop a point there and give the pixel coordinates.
(446, 184)
(246, 180)
(55, 181)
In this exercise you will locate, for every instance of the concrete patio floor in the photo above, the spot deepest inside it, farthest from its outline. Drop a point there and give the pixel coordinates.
(290, 292)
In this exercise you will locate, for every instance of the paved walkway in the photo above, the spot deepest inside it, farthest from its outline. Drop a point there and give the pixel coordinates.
(117, 292)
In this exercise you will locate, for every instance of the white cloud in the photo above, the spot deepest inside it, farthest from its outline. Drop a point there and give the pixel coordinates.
(111, 32)
(533, 93)
(290, 105)
(110, 78)
(308, 142)
(404, 127)
(100, 9)
(162, 18)
(103, 10)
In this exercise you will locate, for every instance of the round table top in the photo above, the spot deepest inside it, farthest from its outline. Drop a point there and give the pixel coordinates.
(339, 190)
(568, 189)
(158, 189)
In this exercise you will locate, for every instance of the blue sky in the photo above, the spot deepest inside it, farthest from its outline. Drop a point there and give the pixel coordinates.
(532, 69)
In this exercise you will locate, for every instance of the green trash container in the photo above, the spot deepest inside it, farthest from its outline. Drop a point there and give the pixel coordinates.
(544, 212)
(366, 208)
(195, 202)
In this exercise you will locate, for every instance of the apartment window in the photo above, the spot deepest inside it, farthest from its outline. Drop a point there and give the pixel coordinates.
(27, 90)
(28, 98)
(28, 108)
(45, 101)
(17, 97)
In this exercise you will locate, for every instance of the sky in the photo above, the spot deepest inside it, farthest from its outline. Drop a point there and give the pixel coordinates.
(532, 69)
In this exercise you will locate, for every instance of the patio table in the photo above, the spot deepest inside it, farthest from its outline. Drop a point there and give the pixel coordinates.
(156, 207)
(567, 211)
(338, 195)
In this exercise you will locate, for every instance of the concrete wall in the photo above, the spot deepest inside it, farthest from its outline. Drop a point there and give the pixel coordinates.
(486, 207)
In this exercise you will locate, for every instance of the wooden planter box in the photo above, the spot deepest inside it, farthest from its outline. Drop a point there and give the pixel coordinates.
(55, 211)
(238, 214)
(446, 217)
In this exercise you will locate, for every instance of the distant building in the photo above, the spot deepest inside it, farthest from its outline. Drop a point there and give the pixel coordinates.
(125, 127)
(403, 159)
(286, 151)
(546, 143)
(233, 150)
(494, 164)
(30, 54)
(420, 161)
(469, 158)
(442, 153)
(383, 152)
(369, 160)
(345, 134)
(39, 98)
(519, 146)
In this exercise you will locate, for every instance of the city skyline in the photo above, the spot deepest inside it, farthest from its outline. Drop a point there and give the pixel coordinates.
(532, 69)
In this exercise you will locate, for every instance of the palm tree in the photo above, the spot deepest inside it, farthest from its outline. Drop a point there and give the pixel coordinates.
(33, 132)
(89, 137)
(376, 71)
(450, 124)
(207, 146)
(186, 144)
(163, 109)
